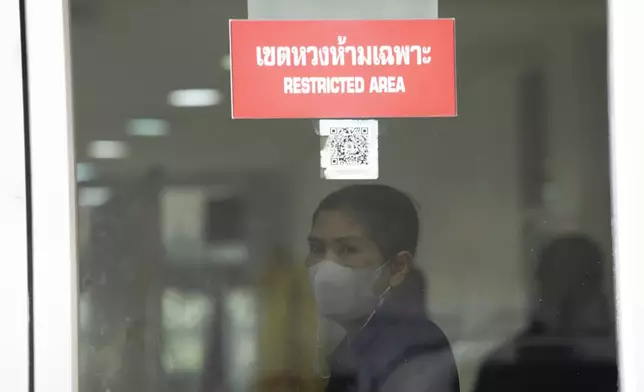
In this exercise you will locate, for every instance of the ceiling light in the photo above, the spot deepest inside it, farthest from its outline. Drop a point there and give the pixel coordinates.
(225, 62)
(194, 98)
(93, 196)
(107, 149)
(147, 127)
(85, 172)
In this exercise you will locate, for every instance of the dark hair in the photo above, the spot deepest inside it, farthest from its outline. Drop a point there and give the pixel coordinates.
(575, 257)
(389, 216)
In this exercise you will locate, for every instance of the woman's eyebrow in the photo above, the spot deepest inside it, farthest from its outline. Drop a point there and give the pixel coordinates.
(338, 239)
(348, 238)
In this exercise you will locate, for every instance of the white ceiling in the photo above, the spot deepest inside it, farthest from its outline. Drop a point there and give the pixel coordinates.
(128, 54)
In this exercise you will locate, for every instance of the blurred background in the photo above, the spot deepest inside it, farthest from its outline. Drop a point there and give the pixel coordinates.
(192, 227)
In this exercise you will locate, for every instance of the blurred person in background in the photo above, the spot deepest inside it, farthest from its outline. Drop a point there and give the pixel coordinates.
(569, 344)
(286, 332)
(362, 243)
(287, 328)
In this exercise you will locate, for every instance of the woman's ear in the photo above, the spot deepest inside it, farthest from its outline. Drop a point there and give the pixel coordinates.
(400, 267)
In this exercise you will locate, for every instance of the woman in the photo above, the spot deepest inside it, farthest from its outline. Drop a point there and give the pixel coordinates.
(569, 343)
(362, 245)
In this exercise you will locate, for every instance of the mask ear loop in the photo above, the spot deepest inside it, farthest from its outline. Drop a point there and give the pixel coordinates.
(319, 353)
(381, 298)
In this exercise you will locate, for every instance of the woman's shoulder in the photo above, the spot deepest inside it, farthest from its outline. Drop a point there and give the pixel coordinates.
(409, 332)
(419, 357)
(429, 372)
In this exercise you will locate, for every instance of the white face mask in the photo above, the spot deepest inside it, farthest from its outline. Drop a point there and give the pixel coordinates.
(344, 293)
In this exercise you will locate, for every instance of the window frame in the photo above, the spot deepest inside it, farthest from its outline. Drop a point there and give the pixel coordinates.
(626, 82)
(14, 286)
(53, 201)
(53, 192)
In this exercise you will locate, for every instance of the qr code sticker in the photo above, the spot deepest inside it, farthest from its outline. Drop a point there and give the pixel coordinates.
(349, 146)
(349, 149)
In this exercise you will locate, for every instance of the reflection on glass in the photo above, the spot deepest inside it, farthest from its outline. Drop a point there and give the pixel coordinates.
(93, 196)
(203, 225)
(568, 344)
(186, 319)
(241, 334)
(181, 289)
(182, 222)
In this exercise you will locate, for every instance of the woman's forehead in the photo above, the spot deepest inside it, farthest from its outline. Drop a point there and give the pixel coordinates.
(336, 224)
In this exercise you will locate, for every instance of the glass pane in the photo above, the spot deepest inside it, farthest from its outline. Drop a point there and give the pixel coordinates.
(214, 257)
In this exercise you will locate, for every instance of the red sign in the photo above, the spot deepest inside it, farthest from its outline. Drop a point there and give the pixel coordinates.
(343, 69)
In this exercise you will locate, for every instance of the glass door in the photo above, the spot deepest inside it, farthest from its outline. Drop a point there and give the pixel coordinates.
(177, 249)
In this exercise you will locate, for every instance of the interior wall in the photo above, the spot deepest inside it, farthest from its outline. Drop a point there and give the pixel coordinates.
(578, 143)
(593, 84)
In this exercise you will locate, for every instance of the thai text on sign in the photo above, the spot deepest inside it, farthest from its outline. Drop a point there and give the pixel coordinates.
(343, 69)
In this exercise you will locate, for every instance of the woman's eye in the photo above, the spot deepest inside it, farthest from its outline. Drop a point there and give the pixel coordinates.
(316, 248)
(348, 249)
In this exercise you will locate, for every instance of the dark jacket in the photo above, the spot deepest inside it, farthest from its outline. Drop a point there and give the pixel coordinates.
(399, 349)
(574, 355)
(533, 362)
